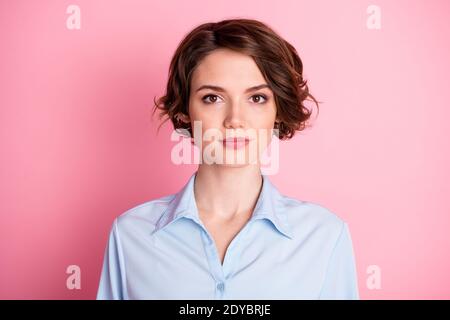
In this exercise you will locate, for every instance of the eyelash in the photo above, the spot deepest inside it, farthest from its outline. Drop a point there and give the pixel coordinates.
(256, 95)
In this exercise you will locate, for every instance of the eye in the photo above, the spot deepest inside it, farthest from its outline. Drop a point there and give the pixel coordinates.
(213, 100)
(259, 98)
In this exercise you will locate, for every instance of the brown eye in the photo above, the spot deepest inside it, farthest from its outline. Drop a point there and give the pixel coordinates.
(258, 96)
(213, 96)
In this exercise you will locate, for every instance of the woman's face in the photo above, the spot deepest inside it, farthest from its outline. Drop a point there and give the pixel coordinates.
(231, 107)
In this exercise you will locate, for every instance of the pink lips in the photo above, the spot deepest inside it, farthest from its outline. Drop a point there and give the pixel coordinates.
(235, 143)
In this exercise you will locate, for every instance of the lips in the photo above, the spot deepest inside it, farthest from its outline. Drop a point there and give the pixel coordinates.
(235, 142)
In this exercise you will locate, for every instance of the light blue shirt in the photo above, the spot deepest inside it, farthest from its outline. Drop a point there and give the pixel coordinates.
(288, 249)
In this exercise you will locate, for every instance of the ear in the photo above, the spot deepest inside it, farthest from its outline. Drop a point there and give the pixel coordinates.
(183, 117)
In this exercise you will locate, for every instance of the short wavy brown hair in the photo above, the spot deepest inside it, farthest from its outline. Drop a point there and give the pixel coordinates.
(276, 58)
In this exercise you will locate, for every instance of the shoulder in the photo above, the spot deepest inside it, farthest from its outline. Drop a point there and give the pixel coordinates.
(143, 216)
(312, 220)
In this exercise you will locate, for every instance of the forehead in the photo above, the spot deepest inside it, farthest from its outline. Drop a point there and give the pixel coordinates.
(225, 67)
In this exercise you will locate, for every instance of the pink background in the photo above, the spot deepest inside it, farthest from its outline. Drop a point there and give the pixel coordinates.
(78, 145)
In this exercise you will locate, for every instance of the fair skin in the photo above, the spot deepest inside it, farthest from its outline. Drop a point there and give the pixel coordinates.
(226, 194)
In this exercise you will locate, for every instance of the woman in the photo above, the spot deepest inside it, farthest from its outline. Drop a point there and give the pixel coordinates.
(229, 233)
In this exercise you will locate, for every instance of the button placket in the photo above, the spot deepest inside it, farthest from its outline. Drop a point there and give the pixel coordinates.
(221, 272)
(235, 249)
(213, 262)
(220, 288)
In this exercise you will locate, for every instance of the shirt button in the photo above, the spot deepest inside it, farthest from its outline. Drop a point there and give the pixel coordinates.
(220, 286)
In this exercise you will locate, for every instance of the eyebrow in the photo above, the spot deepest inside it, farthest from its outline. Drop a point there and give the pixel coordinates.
(217, 88)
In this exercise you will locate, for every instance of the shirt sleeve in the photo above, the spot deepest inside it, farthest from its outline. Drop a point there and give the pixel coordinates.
(341, 280)
(111, 279)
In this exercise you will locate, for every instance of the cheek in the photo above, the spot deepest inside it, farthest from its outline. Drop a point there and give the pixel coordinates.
(202, 113)
(205, 122)
(265, 113)
(264, 120)
(201, 121)
(264, 123)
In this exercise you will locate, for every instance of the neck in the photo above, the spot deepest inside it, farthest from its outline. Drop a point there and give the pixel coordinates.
(225, 193)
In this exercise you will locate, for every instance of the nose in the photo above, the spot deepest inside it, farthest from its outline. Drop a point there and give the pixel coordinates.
(234, 116)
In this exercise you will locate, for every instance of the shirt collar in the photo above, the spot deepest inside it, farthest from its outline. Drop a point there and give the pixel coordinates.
(267, 207)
